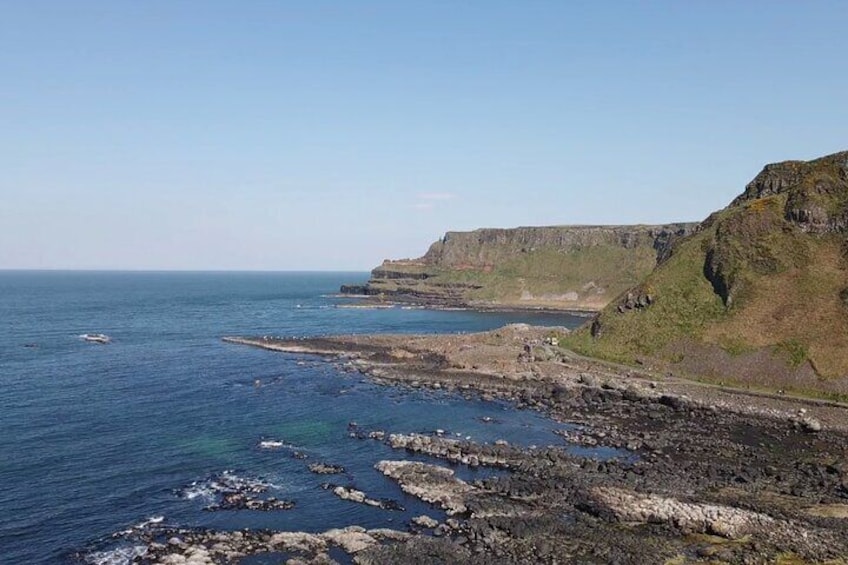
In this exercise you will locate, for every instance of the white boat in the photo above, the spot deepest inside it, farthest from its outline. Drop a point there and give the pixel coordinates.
(96, 338)
(270, 444)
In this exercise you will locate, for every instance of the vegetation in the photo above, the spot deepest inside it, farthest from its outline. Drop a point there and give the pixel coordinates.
(557, 267)
(684, 304)
(597, 270)
(765, 276)
(795, 351)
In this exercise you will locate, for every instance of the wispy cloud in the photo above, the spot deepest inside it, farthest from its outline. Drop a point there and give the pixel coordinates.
(436, 196)
(429, 201)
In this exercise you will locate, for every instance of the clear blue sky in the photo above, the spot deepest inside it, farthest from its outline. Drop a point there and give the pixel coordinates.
(164, 134)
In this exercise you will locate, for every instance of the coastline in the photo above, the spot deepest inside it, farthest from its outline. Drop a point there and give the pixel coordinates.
(369, 301)
(710, 471)
(404, 358)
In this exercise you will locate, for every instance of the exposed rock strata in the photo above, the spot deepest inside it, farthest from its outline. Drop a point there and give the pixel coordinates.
(765, 472)
(182, 546)
(756, 295)
(358, 496)
(559, 267)
(713, 519)
(430, 483)
(765, 480)
(455, 450)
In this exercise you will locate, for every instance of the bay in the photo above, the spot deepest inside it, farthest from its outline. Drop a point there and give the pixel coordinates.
(96, 438)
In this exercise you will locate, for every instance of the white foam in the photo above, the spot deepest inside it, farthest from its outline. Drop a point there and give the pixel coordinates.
(150, 522)
(118, 556)
(226, 482)
(133, 530)
(198, 490)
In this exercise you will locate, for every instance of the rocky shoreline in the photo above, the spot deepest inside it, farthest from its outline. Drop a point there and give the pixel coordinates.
(407, 301)
(696, 474)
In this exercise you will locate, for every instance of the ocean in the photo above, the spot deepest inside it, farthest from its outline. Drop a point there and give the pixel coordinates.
(97, 438)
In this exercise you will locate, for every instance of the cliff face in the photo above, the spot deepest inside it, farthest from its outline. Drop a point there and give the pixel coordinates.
(758, 293)
(485, 248)
(561, 267)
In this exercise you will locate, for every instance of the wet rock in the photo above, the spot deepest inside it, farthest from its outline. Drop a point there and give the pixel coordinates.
(354, 495)
(230, 491)
(352, 539)
(298, 542)
(425, 521)
(241, 501)
(577, 437)
(430, 483)
(203, 547)
(325, 469)
(454, 450)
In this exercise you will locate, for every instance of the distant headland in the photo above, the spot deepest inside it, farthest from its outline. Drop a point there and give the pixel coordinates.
(576, 268)
(756, 294)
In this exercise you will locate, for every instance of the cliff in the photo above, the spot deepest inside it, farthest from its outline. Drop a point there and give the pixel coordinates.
(758, 294)
(557, 267)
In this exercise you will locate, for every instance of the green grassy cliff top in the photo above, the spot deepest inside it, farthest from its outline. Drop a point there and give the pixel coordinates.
(758, 293)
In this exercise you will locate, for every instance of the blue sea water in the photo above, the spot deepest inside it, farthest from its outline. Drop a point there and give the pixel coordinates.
(95, 438)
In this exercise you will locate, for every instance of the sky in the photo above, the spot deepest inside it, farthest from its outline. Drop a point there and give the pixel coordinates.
(317, 135)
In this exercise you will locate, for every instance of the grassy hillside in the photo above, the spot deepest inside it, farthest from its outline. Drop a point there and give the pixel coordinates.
(587, 278)
(562, 267)
(759, 294)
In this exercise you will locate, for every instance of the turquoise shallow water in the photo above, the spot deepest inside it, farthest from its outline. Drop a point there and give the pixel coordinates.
(96, 438)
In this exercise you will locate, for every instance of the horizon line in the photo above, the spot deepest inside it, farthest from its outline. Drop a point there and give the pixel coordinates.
(130, 270)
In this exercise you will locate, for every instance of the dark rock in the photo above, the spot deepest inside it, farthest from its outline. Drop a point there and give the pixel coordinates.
(325, 469)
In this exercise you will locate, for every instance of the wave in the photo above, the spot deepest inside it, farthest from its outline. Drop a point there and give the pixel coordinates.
(123, 555)
(141, 526)
(225, 482)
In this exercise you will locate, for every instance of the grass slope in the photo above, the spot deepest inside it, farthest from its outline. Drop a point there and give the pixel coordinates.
(684, 303)
(593, 274)
(757, 295)
(580, 278)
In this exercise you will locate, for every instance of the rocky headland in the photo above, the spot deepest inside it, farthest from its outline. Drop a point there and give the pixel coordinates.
(558, 267)
(756, 296)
